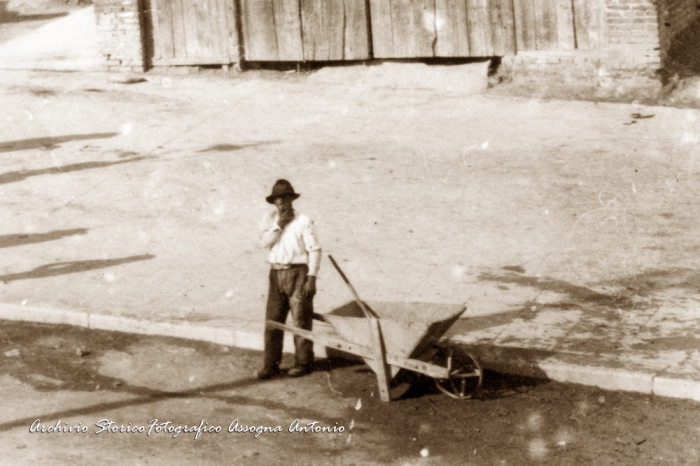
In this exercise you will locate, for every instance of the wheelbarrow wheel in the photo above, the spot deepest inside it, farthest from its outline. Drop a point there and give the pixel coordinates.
(465, 373)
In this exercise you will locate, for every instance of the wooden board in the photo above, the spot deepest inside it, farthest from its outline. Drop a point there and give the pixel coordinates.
(565, 25)
(178, 21)
(452, 28)
(259, 35)
(287, 23)
(546, 24)
(382, 28)
(589, 17)
(524, 18)
(301, 30)
(403, 27)
(194, 32)
(425, 28)
(502, 27)
(480, 36)
(231, 33)
(334, 30)
(442, 28)
(356, 31)
(162, 30)
(318, 39)
(189, 12)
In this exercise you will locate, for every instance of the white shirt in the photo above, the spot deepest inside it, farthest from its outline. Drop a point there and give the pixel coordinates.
(296, 244)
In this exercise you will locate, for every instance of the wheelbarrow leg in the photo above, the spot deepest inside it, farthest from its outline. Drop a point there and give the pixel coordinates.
(379, 364)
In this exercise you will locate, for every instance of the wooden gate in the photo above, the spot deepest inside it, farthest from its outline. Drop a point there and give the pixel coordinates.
(194, 32)
(301, 30)
(442, 28)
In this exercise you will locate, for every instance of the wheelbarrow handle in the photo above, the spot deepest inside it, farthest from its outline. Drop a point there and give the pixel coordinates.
(368, 313)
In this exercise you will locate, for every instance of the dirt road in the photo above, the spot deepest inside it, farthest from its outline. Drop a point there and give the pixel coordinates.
(423, 194)
(91, 378)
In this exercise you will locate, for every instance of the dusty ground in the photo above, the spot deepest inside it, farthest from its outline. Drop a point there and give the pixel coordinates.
(166, 179)
(81, 376)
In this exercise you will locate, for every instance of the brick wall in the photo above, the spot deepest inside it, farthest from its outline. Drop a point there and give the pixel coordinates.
(119, 34)
(628, 45)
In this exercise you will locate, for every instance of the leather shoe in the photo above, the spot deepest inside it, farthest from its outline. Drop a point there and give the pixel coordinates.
(298, 371)
(268, 372)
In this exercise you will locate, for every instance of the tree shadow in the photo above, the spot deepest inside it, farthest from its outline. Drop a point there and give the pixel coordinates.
(627, 288)
(49, 143)
(64, 268)
(651, 281)
(21, 175)
(481, 322)
(8, 241)
(576, 292)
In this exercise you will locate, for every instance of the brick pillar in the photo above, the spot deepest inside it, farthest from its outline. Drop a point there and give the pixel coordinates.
(119, 34)
(632, 36)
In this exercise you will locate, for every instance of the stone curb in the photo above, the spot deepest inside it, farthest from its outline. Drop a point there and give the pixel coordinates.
(246, 339)
(492, 358)
(546, 365)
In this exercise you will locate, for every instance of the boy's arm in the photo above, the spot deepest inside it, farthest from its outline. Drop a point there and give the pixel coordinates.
(270, 231)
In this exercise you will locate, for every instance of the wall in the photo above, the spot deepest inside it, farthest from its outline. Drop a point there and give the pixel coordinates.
(628, 44)
(633, 35)
(626, 40)
(119, 34)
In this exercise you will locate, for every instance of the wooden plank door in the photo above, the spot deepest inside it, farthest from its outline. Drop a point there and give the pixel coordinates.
(271, 30)
(589, 20)
(194, 32)
(305, 30)
(452, 28)
(334, 30)
(442, 28)
(544, 24)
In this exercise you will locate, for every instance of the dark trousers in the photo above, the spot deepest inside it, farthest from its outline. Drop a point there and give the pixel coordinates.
(287, 293)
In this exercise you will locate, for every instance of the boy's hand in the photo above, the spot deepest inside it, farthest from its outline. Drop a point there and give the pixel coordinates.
(285, 219)
(310, 287)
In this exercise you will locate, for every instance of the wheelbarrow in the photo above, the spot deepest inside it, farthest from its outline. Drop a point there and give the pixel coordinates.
(390, 336)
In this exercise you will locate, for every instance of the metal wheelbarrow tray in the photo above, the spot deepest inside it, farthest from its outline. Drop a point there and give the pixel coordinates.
(391, 336)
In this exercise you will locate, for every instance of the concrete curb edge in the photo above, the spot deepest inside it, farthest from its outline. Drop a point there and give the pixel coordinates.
(492, 359)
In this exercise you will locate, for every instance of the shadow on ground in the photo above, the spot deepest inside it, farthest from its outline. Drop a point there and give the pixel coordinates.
(630, 291)
(58, 367)
(63, 268)
(234, 147)
(654, 281)
(49, 143)
(576, 293)
(21, 175)
(8, 241)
